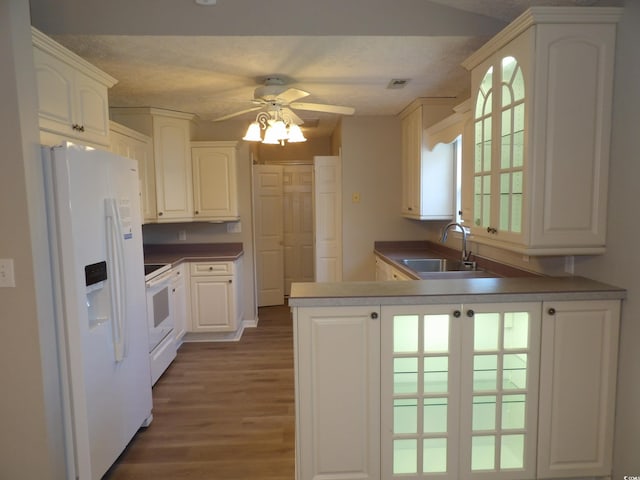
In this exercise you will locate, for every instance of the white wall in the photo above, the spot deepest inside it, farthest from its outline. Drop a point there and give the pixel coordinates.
(371, 166)
(621, 264)
(30, 437)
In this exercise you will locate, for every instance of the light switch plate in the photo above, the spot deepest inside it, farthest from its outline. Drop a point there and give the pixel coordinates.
(7, 278)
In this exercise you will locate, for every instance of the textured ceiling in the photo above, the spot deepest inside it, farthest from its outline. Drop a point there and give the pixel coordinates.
(215, 75)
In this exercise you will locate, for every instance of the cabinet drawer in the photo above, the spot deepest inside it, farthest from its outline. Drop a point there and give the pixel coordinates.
(211, 268)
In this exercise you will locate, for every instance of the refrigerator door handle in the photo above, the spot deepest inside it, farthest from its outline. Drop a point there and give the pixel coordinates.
(118, 289)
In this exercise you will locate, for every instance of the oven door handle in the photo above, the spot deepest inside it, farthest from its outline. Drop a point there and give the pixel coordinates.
(159, 280)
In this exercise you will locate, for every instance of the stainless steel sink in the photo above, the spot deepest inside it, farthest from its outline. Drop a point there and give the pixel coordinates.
(426, 265)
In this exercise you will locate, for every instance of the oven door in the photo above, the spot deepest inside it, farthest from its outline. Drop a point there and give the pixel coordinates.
(159, 309)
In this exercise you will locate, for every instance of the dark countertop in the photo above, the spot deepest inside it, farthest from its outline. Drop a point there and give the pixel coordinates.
(174, 253)
(394, 252)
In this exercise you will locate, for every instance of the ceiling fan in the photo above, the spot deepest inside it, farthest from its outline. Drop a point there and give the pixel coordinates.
(274, 96)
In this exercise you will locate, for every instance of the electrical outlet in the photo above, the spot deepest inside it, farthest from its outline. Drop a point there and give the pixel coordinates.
(234, 227)
(182, 235)
(7, 278)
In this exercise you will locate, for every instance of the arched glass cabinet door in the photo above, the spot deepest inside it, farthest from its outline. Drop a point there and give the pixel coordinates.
(499, 119)
(483, 152)
(512, 124)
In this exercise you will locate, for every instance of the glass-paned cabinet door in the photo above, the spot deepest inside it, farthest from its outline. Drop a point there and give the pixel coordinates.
(511, 145)
(499, 390)
(483, 152)
(499, 120)
(420, 391)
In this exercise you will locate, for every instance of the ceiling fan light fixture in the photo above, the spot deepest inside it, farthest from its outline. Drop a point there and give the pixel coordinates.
(295, 134)
(270, 136)
(253, 133)
(278, 128)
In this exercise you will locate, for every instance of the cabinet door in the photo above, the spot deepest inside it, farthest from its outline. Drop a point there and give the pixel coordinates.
(55, 93)
(499, 390)
(91, 109)
(214, 183)
(212, 304)
(179, 301)
(131, 144)
(577, 388)
(459, 391)
(173, 169)
(70, 103)
(501, 85)
(411, 150)
(337, 393)
(420, 391)
(382, 270)
(143, 153)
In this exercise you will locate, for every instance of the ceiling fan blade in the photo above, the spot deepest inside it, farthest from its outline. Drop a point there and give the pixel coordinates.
(241, 112)
(319, 107)
(292, 94)
(294, 118)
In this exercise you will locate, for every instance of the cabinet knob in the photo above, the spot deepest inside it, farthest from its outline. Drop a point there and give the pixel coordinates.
(197, 212)
(159, 214)
(230, 281)
(374, 315)
(551, 311)
(470, 313)
(456, 313)
(210, 268)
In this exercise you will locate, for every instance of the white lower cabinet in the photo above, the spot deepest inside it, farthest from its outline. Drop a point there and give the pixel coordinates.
(215, 296)
(179, 305)
(457, 391)
(459, 387)
(577, 388)
(337, 393)
(385, 271)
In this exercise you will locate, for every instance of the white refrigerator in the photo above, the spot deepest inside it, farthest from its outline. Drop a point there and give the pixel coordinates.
(98, 275)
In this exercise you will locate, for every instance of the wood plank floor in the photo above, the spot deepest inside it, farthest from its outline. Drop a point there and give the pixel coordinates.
(222, 411)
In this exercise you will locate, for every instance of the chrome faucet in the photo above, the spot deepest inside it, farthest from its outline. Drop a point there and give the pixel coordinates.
(464, 256)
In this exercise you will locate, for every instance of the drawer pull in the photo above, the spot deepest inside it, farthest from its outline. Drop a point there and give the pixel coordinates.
(551, 311)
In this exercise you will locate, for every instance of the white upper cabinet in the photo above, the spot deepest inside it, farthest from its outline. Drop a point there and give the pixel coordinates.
(72, 95)
(193, 181)
(541, 107)
(172, 182)
(427, 173)
(215, 184)
(174, 190)
(131, 144)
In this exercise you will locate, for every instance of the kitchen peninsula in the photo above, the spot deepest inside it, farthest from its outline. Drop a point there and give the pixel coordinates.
(498, 378)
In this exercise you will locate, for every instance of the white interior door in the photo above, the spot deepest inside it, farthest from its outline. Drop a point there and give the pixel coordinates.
(298, 224)
(268, 208)
(328, 218)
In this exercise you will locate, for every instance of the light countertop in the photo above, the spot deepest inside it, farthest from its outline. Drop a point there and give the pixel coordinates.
(477, 290)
